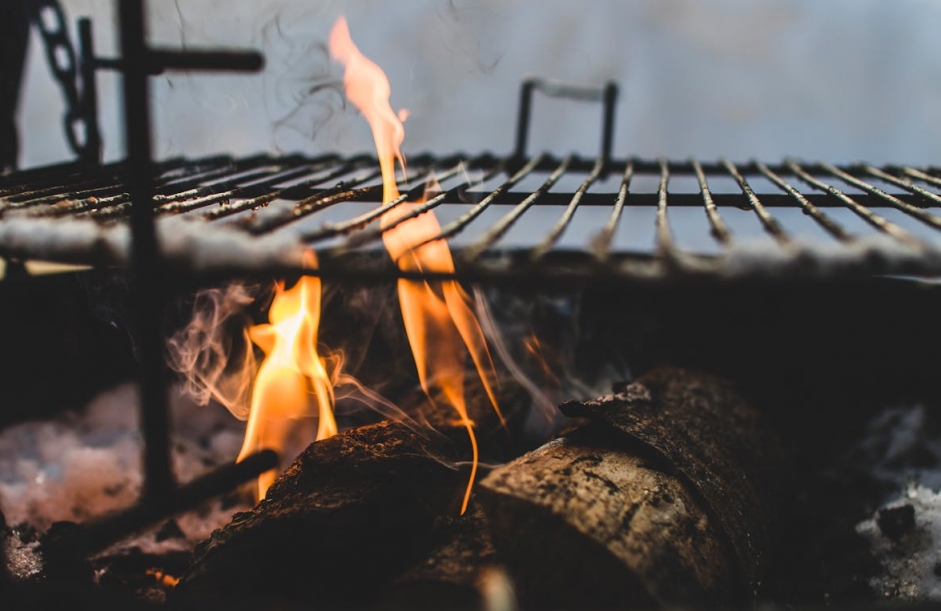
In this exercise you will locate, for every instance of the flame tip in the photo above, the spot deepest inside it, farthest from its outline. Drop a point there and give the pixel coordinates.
(438, 318)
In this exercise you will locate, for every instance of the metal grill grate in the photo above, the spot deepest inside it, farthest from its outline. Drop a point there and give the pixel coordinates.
(537, 217)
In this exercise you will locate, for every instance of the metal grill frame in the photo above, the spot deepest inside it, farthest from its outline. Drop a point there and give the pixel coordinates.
(223, 192)
(161, 495)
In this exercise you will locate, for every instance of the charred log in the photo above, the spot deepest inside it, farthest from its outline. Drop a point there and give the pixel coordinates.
(663, 499)
(346, 518)
(6, 584)
(448, 577)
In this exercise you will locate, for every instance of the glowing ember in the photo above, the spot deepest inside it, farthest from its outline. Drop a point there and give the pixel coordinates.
(165, 579)
(291, 376)
(438, 315)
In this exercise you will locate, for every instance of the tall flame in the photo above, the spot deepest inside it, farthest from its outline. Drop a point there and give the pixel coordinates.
(291, 374)
(438, 315)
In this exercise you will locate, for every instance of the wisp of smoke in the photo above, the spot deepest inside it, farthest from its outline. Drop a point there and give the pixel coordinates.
(203, 351)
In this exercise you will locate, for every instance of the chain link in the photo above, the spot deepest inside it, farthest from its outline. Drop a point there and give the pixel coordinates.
(49, 19)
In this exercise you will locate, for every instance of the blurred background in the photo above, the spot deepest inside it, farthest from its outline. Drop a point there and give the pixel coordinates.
(841, 80)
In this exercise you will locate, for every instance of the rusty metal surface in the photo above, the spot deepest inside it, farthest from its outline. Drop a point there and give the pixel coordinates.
(543, 217)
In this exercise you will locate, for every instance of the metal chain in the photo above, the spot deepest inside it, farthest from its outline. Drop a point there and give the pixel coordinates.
(49, 19)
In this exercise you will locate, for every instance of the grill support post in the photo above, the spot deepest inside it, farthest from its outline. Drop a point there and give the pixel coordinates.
(147, 296)
(149, 290)
(88, 97)
(15, 30)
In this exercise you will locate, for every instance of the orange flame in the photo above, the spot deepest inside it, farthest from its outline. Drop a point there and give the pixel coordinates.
(438, 316)
(165, 579)
(291, 372)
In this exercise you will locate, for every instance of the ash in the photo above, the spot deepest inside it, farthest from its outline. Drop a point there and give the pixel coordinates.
(903, 451)
(909, 551)
(85, 464)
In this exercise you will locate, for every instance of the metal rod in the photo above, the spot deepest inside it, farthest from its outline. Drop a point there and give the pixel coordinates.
(358, 222)
(540, 250)
(367, 236)
(147, 290)
(219, 190)
(718, 228)
(461, 222)
(91, 151)
(96, 203)
(161, 60)
(176, 187)
(831, 226)
(61, 177)
(342, 192)
(37, 197)
(863, 212)
(14, 21)
(601, 243)
(230, 61)
(229, 207)
(922, 176)
(499, 229)
(664, 239)
(768, 222)
(106, 179)
(607, 95)
(904, 184)
(914, 211)
(99, 534)
(522, 118)
(607, 127)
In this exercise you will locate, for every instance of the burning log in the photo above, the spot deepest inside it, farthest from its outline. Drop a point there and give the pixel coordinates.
(348, 517)
(663, 498)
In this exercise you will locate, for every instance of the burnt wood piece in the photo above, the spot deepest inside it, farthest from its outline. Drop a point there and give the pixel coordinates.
(352, 513)
(658, 501)
(6, 586)
(448, 576)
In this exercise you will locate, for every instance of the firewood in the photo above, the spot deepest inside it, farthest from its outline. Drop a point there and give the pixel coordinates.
(448, 576)
(352, 513)
(663, 499)
(5, 582)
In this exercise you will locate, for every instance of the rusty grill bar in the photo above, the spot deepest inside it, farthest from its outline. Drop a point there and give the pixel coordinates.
(512, 217)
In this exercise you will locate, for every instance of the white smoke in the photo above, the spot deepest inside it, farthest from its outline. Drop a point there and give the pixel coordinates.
(203, 350)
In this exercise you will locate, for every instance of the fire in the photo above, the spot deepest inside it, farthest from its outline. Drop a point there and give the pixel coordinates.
(292, 373)
(163, 578)
(439, 320)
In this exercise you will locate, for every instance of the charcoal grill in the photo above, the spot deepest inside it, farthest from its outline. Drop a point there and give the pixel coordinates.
(617, 222)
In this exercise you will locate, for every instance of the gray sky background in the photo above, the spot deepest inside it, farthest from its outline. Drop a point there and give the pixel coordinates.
(839, 80)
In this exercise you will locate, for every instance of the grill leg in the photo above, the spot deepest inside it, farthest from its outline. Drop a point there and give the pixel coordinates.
(15, 31)
(148, 284)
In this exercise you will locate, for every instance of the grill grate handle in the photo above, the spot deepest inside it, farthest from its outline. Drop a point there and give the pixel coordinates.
(607, 95)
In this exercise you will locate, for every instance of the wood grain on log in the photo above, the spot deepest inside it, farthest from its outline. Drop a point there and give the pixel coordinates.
(659, 501)
(707, 431)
